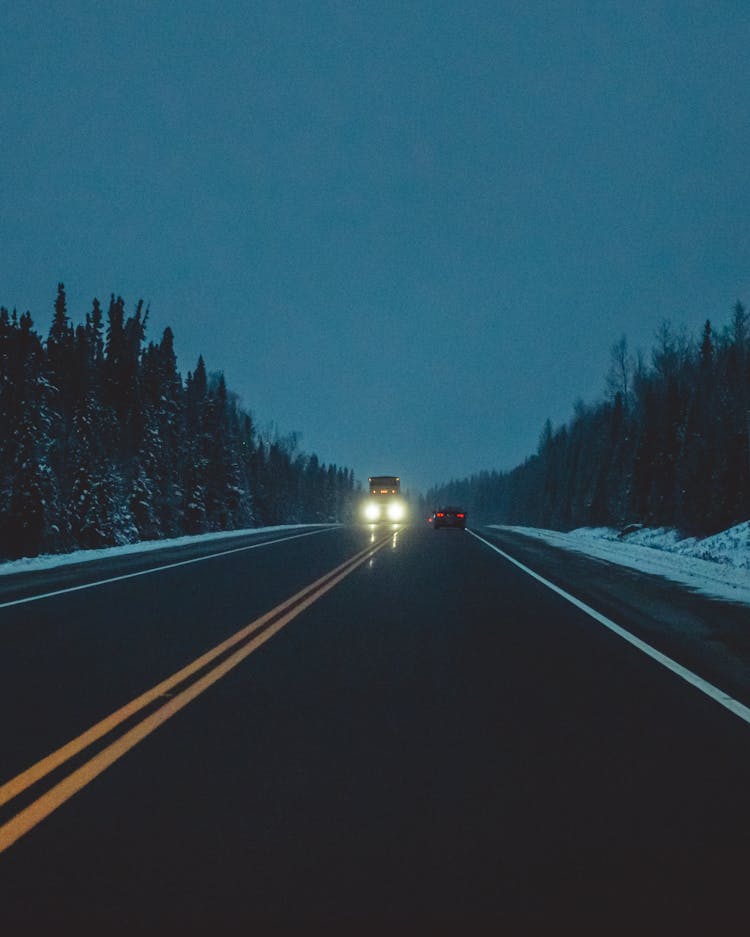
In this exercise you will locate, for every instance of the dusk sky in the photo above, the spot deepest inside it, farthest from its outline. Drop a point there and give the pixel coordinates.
(409, 231)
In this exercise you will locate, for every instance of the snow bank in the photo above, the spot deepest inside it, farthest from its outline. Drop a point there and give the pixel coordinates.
(718, 566)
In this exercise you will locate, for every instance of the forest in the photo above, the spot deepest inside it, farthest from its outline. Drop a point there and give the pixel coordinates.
(667, 446)
(102, 442)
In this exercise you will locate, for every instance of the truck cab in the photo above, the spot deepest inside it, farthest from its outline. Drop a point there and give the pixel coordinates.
(384, 502)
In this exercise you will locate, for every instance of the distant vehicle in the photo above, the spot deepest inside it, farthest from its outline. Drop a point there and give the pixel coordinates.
(384, 501)
(448, 517)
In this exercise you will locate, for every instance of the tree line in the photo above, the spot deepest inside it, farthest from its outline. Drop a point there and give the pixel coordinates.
(102, 442)
(669, 445)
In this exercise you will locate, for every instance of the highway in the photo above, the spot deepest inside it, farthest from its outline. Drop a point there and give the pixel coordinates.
(370, 728)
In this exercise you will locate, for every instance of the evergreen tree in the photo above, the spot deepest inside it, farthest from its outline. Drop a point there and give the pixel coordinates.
(102, 444)
(32, 519)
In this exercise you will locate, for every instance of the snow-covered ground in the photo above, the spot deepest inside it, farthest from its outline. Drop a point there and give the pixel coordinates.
(148, 546)
(718, 566)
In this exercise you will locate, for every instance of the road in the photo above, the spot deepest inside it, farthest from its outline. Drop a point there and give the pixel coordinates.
(428, 736)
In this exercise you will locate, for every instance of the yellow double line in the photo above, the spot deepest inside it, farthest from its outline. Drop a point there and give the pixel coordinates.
(248, 639)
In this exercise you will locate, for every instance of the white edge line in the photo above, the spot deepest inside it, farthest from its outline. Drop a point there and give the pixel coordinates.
(716, 694)
(157, 569)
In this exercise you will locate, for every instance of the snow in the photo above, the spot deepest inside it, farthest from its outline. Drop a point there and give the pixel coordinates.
(32, 564)
(717, 566)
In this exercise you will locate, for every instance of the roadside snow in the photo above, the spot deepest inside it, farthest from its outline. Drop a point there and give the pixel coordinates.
(718, 566)
(33, 564)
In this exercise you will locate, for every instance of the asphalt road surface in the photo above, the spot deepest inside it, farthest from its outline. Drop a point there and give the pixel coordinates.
(427, 735)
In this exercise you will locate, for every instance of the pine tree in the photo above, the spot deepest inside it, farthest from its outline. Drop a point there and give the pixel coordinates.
(100, 442)
(33, 518)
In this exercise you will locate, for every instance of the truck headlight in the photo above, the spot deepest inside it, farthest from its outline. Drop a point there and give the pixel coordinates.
(396, 511)
(372, 512)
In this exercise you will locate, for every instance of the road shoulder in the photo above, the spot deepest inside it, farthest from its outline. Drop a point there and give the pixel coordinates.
(708, 636)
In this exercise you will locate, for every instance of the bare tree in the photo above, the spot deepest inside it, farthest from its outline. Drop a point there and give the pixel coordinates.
(620, 375)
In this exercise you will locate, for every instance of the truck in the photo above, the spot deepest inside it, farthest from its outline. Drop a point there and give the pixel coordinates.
(384, 502)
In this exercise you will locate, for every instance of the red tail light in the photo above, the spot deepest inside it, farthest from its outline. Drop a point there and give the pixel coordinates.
(440, 514)
(460, 515)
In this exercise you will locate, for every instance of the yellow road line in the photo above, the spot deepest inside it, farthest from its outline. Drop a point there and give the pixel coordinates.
(41, 808)
(21, 782)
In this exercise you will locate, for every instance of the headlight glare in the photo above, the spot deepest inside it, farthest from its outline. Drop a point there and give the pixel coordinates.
(396, 511)
(372, 512)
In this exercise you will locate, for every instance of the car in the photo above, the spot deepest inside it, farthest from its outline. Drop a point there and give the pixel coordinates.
(448, 517)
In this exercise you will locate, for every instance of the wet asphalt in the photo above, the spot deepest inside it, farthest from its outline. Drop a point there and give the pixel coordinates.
(438, 741)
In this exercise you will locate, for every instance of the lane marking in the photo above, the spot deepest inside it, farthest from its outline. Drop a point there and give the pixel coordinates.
(158, 569)
(31, 775)
(48, 802)
(714, 692)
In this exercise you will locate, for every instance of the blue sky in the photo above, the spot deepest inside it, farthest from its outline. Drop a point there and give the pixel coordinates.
(409, 231)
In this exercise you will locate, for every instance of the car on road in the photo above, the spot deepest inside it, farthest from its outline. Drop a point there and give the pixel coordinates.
(448, 517)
